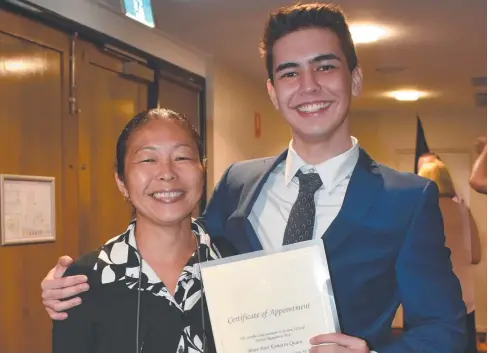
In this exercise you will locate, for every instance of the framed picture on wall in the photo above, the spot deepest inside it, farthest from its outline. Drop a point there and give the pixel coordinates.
(27, 209)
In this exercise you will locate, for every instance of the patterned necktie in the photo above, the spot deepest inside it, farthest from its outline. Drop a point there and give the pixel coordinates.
(302, 215)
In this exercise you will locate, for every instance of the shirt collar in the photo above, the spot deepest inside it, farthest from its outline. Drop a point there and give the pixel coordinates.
(119, 261)
(122, 251)
(331, 172)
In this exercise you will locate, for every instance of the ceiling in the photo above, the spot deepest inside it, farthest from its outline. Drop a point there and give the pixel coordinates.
(437, 45)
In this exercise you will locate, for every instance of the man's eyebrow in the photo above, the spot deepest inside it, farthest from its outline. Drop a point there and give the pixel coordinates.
(315, 59)
(325, 57)
(285, 66)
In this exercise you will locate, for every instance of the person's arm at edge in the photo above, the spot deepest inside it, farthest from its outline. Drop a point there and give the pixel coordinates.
(75, 335)
(429, 290)
(477, 180)
(55, 287)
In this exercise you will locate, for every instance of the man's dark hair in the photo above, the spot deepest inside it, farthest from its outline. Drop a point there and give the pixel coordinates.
(293, 18)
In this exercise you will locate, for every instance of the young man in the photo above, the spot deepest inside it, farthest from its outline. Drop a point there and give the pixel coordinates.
(382, 230)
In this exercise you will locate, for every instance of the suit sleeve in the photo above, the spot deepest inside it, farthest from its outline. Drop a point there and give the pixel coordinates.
(224, 247)
(216, 212)
(429, 291)
(75, 334)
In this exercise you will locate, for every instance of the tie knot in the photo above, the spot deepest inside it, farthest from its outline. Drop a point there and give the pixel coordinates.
(310, 182)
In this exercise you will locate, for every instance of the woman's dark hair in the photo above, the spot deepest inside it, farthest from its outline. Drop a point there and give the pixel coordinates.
(143, 118)
(296, 17)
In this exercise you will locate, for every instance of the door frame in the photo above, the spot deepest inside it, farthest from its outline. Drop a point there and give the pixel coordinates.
(188, 81)
(160, 66)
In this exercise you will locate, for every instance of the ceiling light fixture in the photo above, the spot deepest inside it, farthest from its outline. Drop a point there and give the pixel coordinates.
(367, 33)
(407, 95)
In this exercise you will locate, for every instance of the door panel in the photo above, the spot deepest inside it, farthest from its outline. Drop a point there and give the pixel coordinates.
(33, 106)
(184, 100)
(108, 100)
(181, 99)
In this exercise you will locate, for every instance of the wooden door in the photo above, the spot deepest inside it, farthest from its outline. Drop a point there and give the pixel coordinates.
(35, 128)
(185, 98)
(181, 98)
(108, 98)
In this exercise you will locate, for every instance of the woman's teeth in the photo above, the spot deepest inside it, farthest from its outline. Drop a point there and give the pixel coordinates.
(167, 194)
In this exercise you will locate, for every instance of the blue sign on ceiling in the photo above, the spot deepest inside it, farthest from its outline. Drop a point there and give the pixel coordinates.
(140, 10)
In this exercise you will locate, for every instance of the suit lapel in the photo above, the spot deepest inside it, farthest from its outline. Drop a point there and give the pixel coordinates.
(250, 193)
(363, 188)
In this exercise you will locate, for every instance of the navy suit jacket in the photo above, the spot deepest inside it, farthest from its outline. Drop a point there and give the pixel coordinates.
(385, 247)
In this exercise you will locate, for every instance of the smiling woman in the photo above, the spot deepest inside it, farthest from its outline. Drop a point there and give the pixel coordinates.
(160, 145)
(145, 287)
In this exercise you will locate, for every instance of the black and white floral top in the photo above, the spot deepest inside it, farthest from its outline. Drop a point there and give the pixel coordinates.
(107, 319)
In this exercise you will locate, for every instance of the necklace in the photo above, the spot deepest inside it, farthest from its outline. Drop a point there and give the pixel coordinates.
(197, 243)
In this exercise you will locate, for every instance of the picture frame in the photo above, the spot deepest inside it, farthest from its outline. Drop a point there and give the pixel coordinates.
(27, 209)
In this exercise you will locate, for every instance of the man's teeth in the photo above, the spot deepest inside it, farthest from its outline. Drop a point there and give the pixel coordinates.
(167, 194)
(311, 108)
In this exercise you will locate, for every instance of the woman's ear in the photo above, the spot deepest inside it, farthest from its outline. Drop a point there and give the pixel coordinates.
(204, 164)
(121, 186)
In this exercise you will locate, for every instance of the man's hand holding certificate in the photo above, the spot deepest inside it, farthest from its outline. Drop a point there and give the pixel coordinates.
(338, 343)
(270, 302)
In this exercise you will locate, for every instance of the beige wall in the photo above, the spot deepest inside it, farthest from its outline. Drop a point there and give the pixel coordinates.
(384, 134)
(233, 101)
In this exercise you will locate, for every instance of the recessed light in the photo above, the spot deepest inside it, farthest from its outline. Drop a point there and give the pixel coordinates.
(407, 95)
(363, 33)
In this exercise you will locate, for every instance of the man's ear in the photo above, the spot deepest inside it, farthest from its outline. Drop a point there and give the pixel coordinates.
(357, 81)
(121, 186)
(272, 93)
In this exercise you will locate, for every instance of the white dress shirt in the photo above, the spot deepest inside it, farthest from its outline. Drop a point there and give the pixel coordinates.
(269, 214)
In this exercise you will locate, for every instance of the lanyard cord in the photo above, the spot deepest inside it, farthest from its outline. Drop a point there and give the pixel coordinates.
(202, 308)
(139, 306)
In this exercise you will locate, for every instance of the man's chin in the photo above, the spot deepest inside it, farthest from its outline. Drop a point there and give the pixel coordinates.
(312, 134)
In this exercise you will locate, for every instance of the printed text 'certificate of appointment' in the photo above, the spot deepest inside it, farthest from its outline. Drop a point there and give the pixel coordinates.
(270, 301)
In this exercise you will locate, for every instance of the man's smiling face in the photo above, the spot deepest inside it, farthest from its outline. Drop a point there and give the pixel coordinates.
(313, 85)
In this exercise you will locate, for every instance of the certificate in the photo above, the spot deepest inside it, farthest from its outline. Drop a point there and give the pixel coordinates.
(270, 301)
